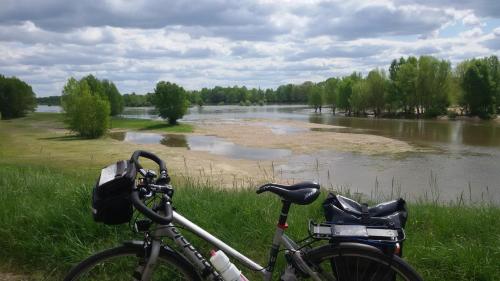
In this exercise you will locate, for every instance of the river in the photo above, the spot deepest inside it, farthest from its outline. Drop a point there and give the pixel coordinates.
(458, 158)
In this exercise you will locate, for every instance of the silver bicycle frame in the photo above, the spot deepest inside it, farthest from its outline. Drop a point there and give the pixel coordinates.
(197, 259)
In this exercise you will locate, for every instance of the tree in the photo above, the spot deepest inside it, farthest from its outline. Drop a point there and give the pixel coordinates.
(86, 113)
(16, 98)
(331, 93)
(479, 94)
(360, 96)
(406, 84)
(106, 89)
(433, 85)
(113, 95)
(376, 84)
(171, 101)
(345, 91)
(316, 99)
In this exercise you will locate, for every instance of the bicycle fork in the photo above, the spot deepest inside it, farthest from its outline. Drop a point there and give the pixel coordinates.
(144, 272)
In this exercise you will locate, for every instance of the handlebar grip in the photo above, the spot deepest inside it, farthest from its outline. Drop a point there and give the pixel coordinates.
(159, 219)
(149, 155)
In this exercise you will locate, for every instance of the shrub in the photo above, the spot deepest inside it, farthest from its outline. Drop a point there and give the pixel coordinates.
(86, 113)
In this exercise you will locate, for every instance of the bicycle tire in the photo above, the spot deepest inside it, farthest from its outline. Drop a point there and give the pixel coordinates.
(121, 262)
(358, 262)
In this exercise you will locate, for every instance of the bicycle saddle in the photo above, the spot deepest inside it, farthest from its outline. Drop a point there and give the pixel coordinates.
(302, 193)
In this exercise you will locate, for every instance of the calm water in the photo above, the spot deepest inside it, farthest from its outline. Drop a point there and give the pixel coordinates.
(211, 144)
(462, 155)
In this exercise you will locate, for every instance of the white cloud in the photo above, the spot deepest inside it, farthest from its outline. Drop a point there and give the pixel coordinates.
(253, 43)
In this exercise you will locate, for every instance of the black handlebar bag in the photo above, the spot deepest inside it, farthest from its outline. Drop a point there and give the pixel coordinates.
(111, 194)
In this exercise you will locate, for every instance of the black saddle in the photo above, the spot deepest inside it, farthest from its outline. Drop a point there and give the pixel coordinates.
(342, 210)
(302, 193)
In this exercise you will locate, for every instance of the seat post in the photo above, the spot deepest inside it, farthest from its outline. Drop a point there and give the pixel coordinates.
(280, 229)
(284, 214)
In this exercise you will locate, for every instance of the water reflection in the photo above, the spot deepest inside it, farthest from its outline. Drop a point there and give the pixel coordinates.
(459, 132)
(341, 130)
(211, 144)
(172, 140)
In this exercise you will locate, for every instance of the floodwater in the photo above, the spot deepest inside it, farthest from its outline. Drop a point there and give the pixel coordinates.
(211, 144)
(457, 158)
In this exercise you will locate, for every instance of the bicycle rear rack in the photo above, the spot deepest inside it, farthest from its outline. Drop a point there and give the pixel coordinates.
(330, 231)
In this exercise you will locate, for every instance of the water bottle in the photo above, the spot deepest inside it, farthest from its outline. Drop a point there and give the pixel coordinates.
(227, 270)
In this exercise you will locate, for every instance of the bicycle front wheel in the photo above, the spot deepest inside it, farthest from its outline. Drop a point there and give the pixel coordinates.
(358, 262)
(122, 263)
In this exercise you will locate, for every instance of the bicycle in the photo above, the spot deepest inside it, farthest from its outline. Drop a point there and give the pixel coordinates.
(154, 259)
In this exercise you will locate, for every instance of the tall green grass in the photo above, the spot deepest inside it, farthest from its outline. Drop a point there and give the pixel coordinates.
(46, 225)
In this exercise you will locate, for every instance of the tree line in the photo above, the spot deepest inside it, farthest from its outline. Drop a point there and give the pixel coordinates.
(413, 87)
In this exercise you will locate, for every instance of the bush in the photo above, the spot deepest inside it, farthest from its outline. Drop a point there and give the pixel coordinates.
(16, 98)
(86, 113)
(171, 101)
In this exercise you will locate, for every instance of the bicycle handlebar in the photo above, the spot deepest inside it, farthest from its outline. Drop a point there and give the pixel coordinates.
(157, 218)
(163, 179)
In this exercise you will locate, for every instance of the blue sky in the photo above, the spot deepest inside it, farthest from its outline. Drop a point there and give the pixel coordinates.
(253, 43)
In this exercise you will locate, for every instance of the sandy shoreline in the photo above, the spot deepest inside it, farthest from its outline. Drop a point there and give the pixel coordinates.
(260, 133)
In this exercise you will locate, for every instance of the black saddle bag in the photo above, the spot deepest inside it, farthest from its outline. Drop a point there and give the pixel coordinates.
(111, 195)
(340, 210)
(344, 211)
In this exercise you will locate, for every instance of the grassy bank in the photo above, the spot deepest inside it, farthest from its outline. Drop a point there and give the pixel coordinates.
(47, 225)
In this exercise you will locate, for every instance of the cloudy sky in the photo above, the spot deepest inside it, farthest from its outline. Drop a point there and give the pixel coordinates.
(222, 42)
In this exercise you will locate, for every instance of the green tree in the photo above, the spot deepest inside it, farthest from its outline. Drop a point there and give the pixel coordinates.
(479, 94)
(86, 113)
(406, 84)
(376, 84)
(16, 98)
(345, 91)
(106, 89)
(316, 97)
(359, 99)
(113, 96)
(331, 95)
(171, 101)
(433, 85)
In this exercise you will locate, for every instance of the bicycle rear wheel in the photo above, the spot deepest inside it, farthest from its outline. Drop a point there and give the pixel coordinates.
(122, 262)
(358, 262)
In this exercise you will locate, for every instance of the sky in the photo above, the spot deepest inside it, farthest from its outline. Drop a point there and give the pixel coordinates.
(262, 44)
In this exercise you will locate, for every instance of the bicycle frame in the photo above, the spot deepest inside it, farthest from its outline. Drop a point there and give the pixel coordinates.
(204, 266)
